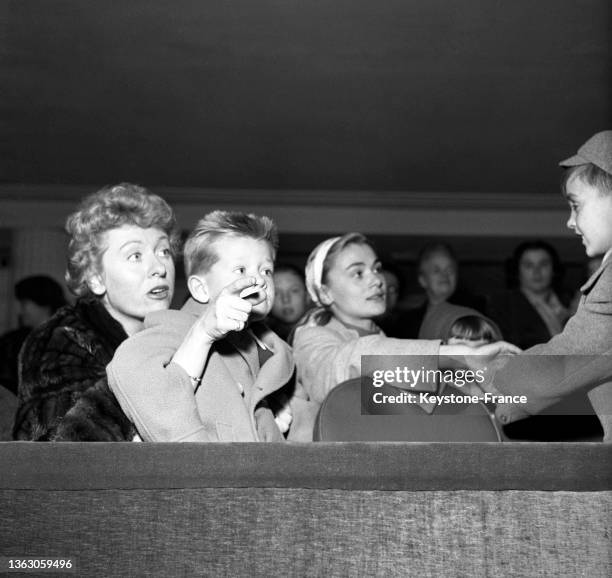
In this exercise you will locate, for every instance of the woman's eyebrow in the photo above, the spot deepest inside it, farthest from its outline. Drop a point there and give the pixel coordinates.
(355, 264)
(131, 242)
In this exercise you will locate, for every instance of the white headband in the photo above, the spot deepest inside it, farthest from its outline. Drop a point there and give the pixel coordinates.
(314, 268)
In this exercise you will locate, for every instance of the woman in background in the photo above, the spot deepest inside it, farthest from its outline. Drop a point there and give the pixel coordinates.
(120, 265)
(532, 311)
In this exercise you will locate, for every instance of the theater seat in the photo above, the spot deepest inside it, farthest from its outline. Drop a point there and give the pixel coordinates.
(343, 417)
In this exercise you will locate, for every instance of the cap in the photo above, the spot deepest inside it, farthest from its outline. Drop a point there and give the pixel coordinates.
(597, 150)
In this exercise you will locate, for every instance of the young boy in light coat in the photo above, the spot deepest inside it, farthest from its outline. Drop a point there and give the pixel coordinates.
(203, 373)
(579, 358)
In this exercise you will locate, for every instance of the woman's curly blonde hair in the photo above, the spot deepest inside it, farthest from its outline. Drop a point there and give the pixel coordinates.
(107, 209)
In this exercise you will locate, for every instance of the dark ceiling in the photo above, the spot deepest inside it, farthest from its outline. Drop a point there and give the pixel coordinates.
(415, 95)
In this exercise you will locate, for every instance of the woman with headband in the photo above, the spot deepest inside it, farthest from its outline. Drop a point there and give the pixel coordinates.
(344, 280)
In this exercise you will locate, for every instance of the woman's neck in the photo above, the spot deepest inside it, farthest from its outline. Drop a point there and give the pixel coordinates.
(131, 325)
(542, 295)
(363, 324)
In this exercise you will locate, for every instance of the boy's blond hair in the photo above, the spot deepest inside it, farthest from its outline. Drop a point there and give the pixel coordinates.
(199, 253)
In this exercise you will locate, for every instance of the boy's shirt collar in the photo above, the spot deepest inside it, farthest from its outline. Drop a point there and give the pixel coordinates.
(595, 276)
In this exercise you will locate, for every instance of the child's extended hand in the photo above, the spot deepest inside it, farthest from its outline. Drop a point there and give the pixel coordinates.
(490, 354)
(230, 309)
(481, 357)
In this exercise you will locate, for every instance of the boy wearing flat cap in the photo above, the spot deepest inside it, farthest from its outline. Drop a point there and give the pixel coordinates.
(580, 358)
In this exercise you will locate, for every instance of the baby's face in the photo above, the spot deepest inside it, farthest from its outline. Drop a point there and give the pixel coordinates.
(468, 342)
(244, 257)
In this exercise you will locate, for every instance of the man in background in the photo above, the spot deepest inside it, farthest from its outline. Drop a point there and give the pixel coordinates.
(39, 297)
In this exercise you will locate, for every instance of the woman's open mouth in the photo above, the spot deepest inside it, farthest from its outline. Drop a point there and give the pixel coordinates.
(160, 292)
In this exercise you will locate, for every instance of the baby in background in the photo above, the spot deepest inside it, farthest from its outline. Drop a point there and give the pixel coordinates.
(472, 330)
(457, 325)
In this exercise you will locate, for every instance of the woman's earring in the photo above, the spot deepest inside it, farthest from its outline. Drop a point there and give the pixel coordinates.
(95, 285)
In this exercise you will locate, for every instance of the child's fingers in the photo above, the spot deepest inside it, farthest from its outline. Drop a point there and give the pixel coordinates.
(250, 291)
(510, 348)
(257, 297)
(239, 285)
(227, 324)
(233, 314)
(237, 315)
(231, 302)
(251, 288)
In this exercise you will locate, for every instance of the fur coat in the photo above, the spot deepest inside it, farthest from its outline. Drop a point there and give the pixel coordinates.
(63, 393)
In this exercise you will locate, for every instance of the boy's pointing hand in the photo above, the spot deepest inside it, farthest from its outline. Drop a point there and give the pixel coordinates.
(230, 310)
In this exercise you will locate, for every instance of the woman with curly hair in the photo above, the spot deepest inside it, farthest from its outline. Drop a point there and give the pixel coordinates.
(121, 268)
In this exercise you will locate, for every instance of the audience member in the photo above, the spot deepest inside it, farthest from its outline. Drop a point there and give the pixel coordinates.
(203, 373)
(438, 274)
(290, 300)
(577, 360)
(120, 266)
(534, 308)
(393, 321)
(344, 280)
(38, 298)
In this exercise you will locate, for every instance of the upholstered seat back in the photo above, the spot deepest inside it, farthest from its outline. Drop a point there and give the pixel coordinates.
(343, 417)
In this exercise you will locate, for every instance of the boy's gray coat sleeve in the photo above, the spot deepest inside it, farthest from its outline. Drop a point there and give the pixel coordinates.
(154, 393)
(579, 358)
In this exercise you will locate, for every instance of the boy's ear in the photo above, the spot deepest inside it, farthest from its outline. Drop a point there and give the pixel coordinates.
(198, 288)
(96, 284)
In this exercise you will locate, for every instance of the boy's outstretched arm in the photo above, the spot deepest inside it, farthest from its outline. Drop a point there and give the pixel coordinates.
(226, 312)
(156, 391)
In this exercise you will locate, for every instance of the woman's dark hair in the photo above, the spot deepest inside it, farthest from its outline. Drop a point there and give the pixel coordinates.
(42, 290)
(513, 264)
(393, 268)
(473, 328)
(290, 268)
